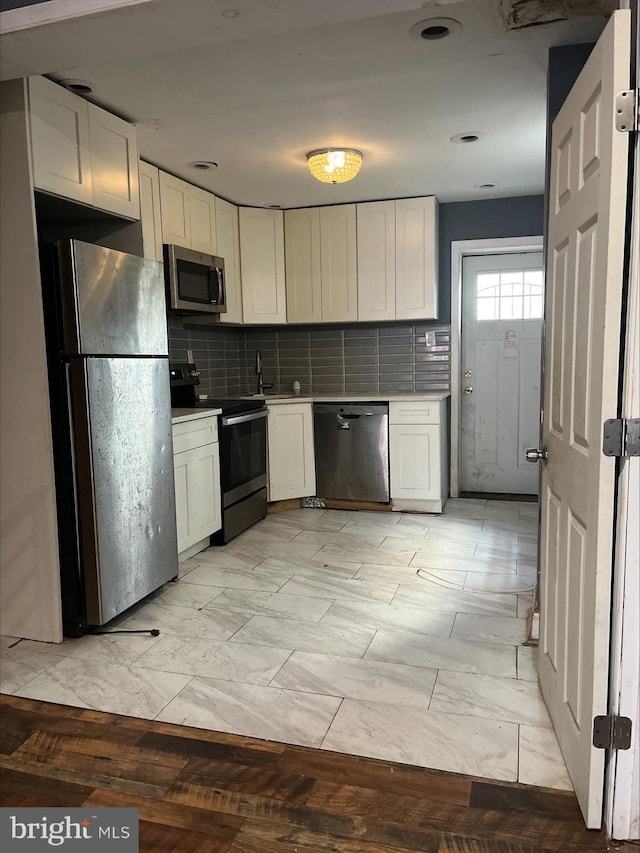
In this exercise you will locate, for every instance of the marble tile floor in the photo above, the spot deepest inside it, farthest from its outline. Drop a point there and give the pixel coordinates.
(386, 635)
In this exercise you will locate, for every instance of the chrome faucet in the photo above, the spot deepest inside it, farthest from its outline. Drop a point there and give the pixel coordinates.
(258, 369)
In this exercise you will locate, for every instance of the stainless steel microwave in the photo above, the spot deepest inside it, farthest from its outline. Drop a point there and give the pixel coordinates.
(195, 282)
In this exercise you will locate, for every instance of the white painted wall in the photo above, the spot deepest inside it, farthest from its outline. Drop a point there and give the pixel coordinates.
(29, 563)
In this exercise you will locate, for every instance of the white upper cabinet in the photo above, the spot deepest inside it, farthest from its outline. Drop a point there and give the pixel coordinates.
(60, 141)
(82, 152)
(376, 260)
(114, 163)
(262, 265)
(188, 215)
(202, 214)
(416, 259)
(174, 203)
(302, 265)
(338, 263)
(228, 236)
(150, 211)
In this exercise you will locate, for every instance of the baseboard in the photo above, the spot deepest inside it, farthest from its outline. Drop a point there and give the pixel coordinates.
(368, 506)
(282, 506)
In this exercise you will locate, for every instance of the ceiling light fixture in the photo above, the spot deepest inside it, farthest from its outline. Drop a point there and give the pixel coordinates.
(203, 164)
(434, 29)
(334, 165)
(80, 87)
(465, 138)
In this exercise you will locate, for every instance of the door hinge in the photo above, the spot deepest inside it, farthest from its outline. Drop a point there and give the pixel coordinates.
(611, 732)
(621, 437)
(627, 110)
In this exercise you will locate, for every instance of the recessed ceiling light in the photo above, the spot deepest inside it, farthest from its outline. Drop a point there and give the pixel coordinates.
(434, 29)
(80, 87)
(203, 164)
(230, 13)
(488, 186)
(465, 138)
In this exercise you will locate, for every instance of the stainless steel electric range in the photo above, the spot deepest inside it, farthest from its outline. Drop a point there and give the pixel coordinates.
(242, 430)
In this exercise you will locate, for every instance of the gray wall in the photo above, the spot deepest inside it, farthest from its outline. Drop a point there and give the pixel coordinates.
(522, 216)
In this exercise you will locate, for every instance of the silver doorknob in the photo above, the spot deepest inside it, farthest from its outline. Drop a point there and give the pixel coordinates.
(533, 454)
(468, 390)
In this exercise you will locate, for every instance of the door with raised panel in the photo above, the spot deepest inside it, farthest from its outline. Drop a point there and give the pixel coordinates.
(338, 263)
(414, 461)
(176, 216)
(302, 265)
(502, 299)
(60, 141)
(228, 243)
(114, 163)
(416, 259)
(292, 471)
(376, 225)
(584, 283)
(150, 211)
(197, 486)
(262, 264)
(202, 217)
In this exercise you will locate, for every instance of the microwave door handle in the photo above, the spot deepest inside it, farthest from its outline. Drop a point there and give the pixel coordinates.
(216, 286)
(213, 285)
(221, 288)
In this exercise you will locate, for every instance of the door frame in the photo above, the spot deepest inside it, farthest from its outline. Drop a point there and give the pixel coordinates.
(460, 248)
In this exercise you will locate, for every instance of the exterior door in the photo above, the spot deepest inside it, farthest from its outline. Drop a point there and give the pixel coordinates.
(582, 345)
(502, 301)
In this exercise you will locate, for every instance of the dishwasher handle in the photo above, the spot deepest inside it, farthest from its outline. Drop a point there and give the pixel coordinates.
(347, 417)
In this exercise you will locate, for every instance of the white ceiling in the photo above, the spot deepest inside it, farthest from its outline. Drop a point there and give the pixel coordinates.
(256, 91)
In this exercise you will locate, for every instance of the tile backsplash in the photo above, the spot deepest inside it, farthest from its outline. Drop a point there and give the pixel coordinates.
(326, 359)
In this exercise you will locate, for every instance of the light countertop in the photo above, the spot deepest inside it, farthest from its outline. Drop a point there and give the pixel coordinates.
(179, 416)
(355, 398)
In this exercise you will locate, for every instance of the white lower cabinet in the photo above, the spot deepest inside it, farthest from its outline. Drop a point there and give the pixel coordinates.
(196, 463)
(291, 461)
(418, 455)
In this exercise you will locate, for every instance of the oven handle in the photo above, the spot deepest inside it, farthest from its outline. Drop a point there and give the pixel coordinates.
(241, 419)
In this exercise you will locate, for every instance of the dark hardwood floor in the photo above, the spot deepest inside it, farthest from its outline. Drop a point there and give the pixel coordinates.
(211, 792)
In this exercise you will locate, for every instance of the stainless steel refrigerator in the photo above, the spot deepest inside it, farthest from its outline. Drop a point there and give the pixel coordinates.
(105, 318)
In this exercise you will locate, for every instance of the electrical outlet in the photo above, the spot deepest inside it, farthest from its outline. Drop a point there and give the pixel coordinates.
(430, 339)
(190, 356)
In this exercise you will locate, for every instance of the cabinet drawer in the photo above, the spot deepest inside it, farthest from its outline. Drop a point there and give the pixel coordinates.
(419, 412)
(196, 433)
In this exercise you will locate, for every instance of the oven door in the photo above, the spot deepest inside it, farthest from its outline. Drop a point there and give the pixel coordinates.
(243, 455)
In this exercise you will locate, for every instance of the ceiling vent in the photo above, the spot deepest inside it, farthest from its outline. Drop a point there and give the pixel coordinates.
(520, 14)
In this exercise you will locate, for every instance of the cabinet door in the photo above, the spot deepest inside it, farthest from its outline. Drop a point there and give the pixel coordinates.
(302, 265)
(202, 216)
(416, 259)
(376, 226)
(60, 141)
(174, 205)
(292, 471)
(150, 211)
(262, 265)
(114, 163)
(228, 237)
(414, 461)
(338, 263)
(197, 486)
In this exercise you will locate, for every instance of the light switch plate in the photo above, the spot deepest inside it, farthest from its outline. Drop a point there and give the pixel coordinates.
(430, 339)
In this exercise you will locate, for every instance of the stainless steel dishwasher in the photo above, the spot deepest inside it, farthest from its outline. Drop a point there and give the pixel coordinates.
(352, 450)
